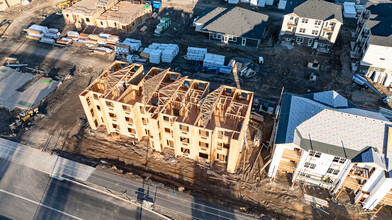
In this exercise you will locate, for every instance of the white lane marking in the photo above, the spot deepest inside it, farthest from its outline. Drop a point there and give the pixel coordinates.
(38, 203)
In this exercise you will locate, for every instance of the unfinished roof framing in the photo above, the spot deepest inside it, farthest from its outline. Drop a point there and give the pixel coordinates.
(171, 111)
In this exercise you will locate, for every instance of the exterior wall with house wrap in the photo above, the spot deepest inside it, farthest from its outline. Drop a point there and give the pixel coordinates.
(323, 139)
(167, 109)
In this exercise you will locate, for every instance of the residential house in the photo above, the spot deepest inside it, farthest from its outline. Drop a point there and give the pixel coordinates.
(172, 112)
(311, 23)
(121, 15)
(371, 49)
(325, 140)
(232, 25)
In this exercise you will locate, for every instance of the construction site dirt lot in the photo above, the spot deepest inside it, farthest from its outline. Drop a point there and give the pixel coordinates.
(62, 126)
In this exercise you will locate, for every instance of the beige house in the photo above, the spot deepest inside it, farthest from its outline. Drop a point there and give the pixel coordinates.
(311, 23)
(107, 14)
(171, 111)
(4, 4)
(124, 15)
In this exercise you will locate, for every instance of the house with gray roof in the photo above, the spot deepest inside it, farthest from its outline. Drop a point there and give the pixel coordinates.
(325, 140)
(311, 23)
(232, 25)
(371, 49)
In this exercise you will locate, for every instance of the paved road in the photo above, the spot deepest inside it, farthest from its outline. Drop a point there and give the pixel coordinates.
(26, 193)
(179, 205)
(182, 205)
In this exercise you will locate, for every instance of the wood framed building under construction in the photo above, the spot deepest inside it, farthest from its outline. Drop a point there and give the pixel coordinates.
(171, 112)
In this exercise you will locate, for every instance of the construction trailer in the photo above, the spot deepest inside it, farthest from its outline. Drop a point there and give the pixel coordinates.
(171, 111)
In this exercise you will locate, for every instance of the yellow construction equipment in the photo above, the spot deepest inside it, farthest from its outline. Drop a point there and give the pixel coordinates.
(64, 5)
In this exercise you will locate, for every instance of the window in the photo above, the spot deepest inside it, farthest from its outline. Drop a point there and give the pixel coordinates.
(167, 130)
(333, 171)
(299, 40)
(203, 155)
(317, 23)
(310, 165)
(109, 104)
(185, 151)
(184, 128)
(144, 121)
(315, 32)
(221, 157)
(131, 130)
(336, 172)
(289, 28)
(101, 23)
(88, 101)
(96, 96)
(165, 118)
(141, 109)
(123, 27)
(184, 140)
(99, 108)
(304, 20)
(291, 18)
(203, 145)
(314, 154)
(339, 160)
(220, 134)
(115, 126)
(203, 133)
(126, 108)
(220, 146)
(302, 30)
(129, 120)
(88, 19)
(92, 112)
(112, 115)
(330, 170)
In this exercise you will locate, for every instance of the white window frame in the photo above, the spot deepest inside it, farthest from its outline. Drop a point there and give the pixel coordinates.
(299, 40)
(310, 41)
(243, 42)
(302, 30)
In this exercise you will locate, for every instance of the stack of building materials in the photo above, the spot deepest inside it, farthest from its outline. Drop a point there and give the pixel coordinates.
(72, 34)
(47, 40)
(196, 54)
(42, 33)
(282, 4)
(169, 53)
(36, 32)
(52, 33)
(128, 46)
(146, 53)
(103, 51)
(349, 10)
(155, 56)
(64, 41)
(160, 52)
(162, 26)
(213, 60)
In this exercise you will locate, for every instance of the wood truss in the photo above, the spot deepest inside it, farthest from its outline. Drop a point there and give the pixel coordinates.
(208, 106)
(151, 85)
(166, 93)
(117, 81)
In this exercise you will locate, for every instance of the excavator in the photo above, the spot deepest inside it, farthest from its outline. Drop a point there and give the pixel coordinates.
(64, 5)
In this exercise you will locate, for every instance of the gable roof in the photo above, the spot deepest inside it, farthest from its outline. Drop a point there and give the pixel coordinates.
(315, 9)
(329, 123)
(235, 21)
(348, 133)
